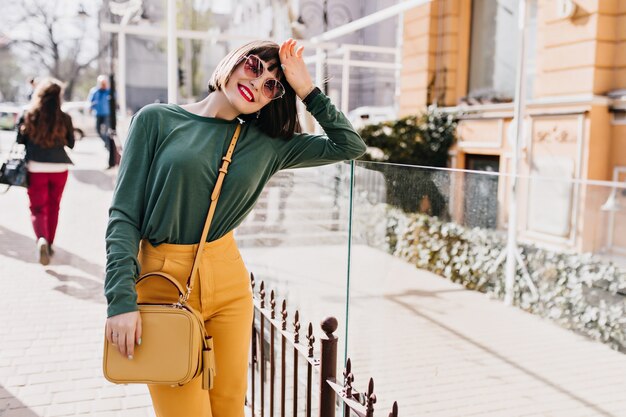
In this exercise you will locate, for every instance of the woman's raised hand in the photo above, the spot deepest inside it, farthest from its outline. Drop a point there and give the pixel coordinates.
(294, 68)
(124, 330)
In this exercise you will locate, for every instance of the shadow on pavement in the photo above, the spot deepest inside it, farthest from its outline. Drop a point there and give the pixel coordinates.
(16, 407)
(100, 179)
(18, 246)
(84, 288)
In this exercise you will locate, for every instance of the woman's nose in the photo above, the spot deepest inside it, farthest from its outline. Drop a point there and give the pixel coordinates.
(254, 83)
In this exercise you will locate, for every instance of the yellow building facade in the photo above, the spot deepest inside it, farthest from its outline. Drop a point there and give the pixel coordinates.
(462, 54)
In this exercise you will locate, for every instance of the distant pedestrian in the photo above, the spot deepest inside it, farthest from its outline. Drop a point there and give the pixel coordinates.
(100, 99)
(45, 130)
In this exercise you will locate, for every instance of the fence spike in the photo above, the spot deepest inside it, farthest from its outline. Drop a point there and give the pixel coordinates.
(371, 399)
(348, 379)
(296, 327)
(311, 339)
(273, 304)
(284, 315)
(262, 294)
(252, 282)
(394, 410)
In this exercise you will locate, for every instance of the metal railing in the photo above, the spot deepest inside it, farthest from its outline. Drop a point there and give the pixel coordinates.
(265, 349)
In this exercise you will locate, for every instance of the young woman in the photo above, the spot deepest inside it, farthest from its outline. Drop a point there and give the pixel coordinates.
(168, 171)
(46, 130)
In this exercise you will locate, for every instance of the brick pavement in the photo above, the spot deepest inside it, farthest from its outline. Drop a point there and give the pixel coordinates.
(53, 317)
(436, 348)
(441, 350)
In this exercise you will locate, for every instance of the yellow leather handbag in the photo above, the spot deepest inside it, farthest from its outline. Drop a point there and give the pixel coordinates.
(175, 347)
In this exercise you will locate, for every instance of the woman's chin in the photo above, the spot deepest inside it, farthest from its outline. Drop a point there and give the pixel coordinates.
(243, 107)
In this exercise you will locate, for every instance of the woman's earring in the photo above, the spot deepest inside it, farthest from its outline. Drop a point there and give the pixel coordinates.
(258, 113)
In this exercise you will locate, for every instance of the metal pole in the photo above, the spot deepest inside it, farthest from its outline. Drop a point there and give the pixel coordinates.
(121, 71)
(511, 255)
(121, 58)
(172, 53)
(398, 60)
(325, 27)
(320, 57)
(345, 82)
(112, 84)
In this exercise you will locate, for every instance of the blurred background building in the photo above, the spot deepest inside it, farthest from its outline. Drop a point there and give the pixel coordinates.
(275, 19)
(460, 55)
(463, 55)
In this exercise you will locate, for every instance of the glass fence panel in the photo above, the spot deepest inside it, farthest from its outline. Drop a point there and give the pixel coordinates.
(572, 256)
(411, 227)
(422, 237)
(296, 240)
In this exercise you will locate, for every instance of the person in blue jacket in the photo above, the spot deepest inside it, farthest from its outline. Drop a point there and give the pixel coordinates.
(100, 99)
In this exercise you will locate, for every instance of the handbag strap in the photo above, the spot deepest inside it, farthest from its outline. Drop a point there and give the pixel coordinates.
(226, 160)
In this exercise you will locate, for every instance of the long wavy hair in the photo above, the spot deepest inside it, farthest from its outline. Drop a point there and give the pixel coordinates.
(278, 118)
(44, 123)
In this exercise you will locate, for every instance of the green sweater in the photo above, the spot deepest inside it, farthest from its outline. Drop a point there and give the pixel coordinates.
(170, 165)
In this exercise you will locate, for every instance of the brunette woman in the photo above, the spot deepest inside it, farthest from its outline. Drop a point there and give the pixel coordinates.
(168, 170)
(46, 131)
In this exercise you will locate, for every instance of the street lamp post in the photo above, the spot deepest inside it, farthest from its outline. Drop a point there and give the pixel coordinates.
(512, 255)
(126, 11)
(112, 133)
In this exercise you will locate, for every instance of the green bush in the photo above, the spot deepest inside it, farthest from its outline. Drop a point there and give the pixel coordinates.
(578, 291)
(422, 139)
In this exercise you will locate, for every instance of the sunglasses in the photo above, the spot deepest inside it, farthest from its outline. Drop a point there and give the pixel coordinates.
(253, 67)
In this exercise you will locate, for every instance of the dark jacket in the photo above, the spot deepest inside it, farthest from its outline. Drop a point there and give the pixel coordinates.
(55, 154)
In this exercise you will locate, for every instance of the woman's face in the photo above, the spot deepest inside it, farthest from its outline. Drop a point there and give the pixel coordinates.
(244, 90)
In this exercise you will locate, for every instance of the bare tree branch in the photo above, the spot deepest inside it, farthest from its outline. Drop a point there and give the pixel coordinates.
(49, 45)
(37, 45)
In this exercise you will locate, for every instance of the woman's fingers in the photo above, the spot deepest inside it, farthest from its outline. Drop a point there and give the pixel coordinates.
(138, 331)
(129, 342)
(288, 50)
(122, 331)
(294, 68)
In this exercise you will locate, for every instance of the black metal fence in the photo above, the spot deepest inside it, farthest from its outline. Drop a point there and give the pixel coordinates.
(274, 346)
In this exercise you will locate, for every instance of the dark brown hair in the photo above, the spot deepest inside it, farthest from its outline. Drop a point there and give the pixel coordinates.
(44, 123)
(279, 118)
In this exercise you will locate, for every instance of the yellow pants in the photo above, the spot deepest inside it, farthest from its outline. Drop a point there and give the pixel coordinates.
(223, 295)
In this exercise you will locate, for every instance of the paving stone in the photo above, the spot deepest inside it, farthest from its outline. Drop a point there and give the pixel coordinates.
(109, 404)
(75, 396)
(20, 412)
(58, 410)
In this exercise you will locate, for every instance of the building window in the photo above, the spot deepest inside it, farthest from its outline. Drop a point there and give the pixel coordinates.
(494, 48)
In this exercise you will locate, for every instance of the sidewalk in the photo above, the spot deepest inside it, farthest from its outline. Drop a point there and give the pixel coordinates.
(436, 348)
(441, 350)
(53, 317)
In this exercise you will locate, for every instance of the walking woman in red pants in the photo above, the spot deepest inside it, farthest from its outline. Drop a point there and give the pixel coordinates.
(45, 130)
